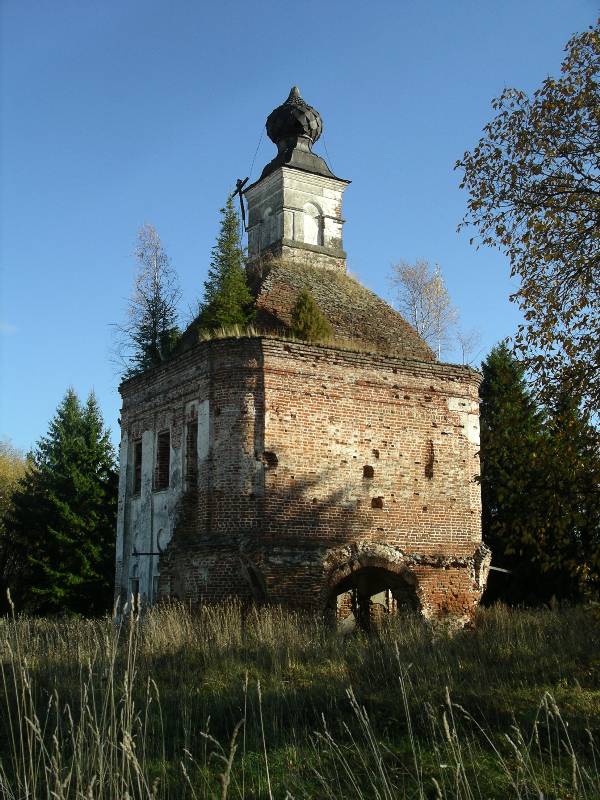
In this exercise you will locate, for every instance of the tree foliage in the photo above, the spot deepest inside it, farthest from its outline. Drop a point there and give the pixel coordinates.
(150, 333)
(422, 296)
(568, 532)
(308, 321)
(511, 426)
(540, 471)
(64, 514)
(534, 192)
(227, 300)
(13, 466)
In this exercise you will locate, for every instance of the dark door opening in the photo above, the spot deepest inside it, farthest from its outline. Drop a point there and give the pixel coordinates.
(371, 593)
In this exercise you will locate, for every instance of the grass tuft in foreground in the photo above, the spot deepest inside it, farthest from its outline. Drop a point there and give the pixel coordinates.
(272, 704)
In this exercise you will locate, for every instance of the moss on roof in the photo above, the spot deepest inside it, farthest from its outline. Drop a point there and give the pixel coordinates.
(355, 313)
(359, 318)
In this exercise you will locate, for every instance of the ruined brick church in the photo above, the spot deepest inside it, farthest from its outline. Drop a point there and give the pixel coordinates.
(330, 477)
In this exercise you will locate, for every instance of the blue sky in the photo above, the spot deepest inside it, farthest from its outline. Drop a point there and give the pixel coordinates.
(121, 112)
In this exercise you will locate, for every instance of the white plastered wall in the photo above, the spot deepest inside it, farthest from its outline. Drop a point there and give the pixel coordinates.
(277, 208)
(146, 520)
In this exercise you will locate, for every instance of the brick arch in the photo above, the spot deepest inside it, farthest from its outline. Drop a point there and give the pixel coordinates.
(342, 563)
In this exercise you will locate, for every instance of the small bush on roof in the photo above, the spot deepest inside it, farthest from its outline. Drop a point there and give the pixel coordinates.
(308, 322)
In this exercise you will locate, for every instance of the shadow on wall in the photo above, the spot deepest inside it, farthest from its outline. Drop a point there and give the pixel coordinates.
(311, 550)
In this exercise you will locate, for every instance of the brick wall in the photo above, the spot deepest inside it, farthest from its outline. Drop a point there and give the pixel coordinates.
(321, 463)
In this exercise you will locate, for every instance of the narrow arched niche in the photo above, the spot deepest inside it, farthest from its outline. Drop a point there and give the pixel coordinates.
(313, 224)
(267, 228)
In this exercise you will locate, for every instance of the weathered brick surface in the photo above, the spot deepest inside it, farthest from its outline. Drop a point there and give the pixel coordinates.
(316, 465)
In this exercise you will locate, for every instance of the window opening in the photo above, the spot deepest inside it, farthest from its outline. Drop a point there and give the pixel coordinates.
(191, 455)
(137, 467)
(163, 461)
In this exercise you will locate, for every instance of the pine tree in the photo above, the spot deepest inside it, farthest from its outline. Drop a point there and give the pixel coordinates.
(65, 514)
(308, 322)
(150, 333)
(227, 301)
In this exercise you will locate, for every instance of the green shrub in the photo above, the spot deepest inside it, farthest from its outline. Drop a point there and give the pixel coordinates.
(308, 322)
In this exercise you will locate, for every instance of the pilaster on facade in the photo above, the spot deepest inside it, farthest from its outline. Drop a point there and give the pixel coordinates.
(297, 213)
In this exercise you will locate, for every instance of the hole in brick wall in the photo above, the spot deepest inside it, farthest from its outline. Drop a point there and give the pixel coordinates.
(270, 459)
(429, 459)
(377, 502)
(163, 460)
(217, 411)
(368, 471)
(407, 397)
(376, 453)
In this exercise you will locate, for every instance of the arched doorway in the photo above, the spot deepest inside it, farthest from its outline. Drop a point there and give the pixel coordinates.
(370, 588)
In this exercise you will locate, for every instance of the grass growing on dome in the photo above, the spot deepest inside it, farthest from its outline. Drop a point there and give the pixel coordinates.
(252, 332)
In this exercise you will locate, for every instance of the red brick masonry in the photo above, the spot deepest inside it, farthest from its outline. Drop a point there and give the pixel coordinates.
(323, 465)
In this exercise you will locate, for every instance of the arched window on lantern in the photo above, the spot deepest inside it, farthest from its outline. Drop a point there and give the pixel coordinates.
(313, 224)
(266, 228)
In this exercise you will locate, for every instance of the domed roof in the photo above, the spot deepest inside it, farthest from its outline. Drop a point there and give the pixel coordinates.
(294, 119)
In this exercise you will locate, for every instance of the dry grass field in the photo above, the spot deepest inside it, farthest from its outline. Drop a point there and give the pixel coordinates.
(270, 704)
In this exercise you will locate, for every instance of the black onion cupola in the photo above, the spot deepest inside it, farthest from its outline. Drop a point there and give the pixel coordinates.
(294, 120)
(295, 207)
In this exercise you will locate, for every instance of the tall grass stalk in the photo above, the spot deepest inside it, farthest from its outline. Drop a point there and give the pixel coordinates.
(222, 703)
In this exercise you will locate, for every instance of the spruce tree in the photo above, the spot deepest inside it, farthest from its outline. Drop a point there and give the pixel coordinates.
(308, 322)
(569, 524)
(539, 488)
(64, 515)
(511, 430)
(227, 300)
